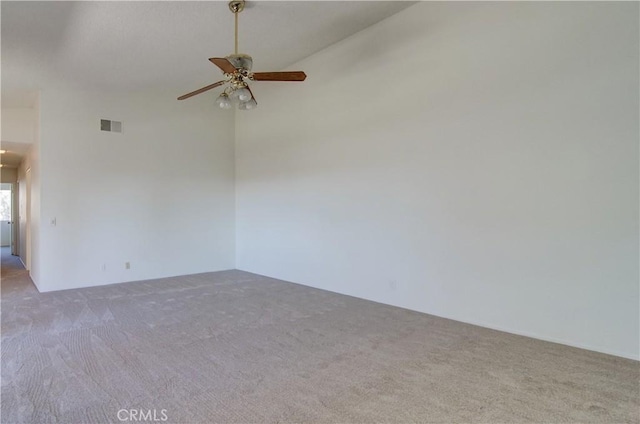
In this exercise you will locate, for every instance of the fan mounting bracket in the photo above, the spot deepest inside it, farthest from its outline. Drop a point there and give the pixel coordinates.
(236, 6)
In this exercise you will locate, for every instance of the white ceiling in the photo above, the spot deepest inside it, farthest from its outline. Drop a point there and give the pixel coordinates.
(163, 45)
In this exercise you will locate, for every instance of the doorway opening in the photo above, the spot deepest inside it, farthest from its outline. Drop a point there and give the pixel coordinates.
(7, 213)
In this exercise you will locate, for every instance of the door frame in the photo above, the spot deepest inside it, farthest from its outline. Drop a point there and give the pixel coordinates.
(15, 223)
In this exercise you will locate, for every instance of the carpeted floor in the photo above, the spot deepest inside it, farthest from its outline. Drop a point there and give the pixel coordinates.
(11, 265)
(234, 347)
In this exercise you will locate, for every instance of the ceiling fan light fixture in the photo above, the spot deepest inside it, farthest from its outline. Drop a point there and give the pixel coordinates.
(248, 105)
(237, 70)
(243, 94)
(223, 101)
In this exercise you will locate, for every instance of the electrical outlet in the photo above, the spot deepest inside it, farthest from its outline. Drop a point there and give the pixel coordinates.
(127, 265)
(103, 267)
(393, 284)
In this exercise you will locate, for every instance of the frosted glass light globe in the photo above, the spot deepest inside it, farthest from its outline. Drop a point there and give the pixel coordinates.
(243, 94)
(251, 104)
(223, 101)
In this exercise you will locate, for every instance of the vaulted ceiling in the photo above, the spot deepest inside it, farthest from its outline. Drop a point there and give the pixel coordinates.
(163, 45)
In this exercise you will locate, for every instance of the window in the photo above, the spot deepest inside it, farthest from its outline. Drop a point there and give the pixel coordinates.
(5, 205)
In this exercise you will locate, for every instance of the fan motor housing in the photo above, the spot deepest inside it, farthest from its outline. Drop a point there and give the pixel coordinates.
(241, 61)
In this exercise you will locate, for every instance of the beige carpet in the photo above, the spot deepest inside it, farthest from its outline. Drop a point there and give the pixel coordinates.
(234, 347)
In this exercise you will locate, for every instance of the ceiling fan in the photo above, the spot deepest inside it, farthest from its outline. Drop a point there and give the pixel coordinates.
(238, 74)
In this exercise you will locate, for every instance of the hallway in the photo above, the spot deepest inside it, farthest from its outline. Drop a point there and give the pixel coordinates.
(11, 265)
(13, 275)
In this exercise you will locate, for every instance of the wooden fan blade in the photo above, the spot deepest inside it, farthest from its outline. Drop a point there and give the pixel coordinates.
(280, 76)
(202, 90)
(223, 64)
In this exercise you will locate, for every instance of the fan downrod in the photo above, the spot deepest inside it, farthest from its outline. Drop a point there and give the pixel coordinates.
(236, 6)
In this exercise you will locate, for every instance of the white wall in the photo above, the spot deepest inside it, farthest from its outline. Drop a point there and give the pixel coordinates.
(23, 204)
(34, 178)
(477, 161)
(160, 195)
(21, 125)
(5, 233)
(25, 233)
(18, 125)
(8, 175)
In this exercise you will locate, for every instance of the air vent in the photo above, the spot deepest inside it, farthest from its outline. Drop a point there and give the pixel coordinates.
(111, 126)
